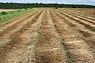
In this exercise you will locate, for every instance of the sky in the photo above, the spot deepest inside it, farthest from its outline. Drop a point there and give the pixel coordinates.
(88, 2)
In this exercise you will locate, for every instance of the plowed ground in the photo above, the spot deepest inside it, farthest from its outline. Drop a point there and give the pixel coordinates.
(48, 36)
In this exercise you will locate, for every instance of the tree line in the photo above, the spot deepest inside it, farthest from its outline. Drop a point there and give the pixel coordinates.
(32, 5)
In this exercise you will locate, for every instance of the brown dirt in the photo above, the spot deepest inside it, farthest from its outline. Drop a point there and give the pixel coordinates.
(84, 12)
(48, 36)
(73, 43)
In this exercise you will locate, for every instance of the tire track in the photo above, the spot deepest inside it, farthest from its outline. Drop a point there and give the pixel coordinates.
(77, 50)
(48, 49)
(20, 48)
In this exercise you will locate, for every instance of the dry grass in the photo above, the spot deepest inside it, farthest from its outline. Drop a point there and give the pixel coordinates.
(6, 10)
(86, 12)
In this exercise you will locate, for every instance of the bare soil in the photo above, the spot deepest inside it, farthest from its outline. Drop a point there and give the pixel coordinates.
(48, 36)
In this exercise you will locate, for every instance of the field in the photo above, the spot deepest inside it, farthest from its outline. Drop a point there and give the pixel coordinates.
(83, 12)
(7, 15)
(7, 10)
(50, 35)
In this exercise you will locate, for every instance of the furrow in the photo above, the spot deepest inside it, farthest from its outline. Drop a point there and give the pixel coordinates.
(15, 25)
(6, 38)
(20, 48)
(83, 18)
(87, 34)
(48, 49)
(86, 24)
(77, 50)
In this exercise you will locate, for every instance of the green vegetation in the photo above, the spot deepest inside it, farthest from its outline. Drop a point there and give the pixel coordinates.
(5, 16)
(31, 5)
(14, 5)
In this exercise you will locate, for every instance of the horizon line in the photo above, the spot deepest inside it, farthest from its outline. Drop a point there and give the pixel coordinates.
(49, 3)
